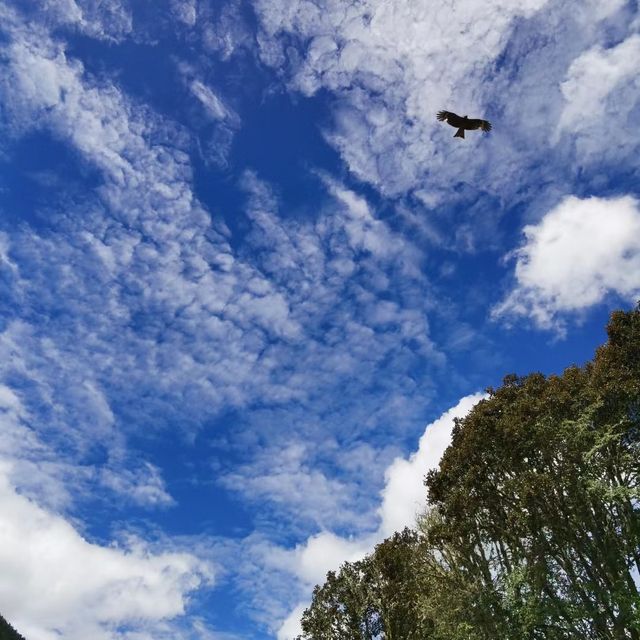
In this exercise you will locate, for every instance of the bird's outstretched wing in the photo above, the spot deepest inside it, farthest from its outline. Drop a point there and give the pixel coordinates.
(444, 115)
(451, 118)
(485, 125)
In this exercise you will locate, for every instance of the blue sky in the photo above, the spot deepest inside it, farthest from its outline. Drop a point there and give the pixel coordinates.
(248, 280)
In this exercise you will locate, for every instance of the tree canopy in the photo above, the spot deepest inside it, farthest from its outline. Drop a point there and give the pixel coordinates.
(7, 632)
(532, 525)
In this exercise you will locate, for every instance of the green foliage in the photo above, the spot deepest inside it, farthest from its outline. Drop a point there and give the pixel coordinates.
(533, 524)
(372, 597)
(7, 632)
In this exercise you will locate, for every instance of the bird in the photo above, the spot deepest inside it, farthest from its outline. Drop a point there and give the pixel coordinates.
(463, 123)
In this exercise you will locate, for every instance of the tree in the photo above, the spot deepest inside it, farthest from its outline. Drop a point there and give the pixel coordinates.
(533, 523)
(539, 492)
(372, 598)
(7, 632)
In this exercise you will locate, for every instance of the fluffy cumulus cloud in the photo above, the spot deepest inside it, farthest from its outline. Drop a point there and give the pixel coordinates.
(581, 251)
(403, 497)
(56, 584)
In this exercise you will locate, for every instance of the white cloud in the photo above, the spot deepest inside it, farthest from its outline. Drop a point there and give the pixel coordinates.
(581, 250)
(109, 20)
(326, 551)
(56, 584)
(364, 232)
(404, 494)
(284, 479)
(291, 627)
(37, 470)
(225, 29)
(601, 94)
(30, 464)
(142, 485)
(186, 11)
(373, 39)
(592, 77)
(214, 105)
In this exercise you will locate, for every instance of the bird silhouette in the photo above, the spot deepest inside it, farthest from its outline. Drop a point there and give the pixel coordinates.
(463, 124)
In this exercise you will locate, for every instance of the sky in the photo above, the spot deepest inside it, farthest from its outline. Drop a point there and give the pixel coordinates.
(247, 280)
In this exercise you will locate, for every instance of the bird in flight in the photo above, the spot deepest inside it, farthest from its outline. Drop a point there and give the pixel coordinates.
(463, 124)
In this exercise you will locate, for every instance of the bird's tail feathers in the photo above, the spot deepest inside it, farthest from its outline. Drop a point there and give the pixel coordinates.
(459, 133)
